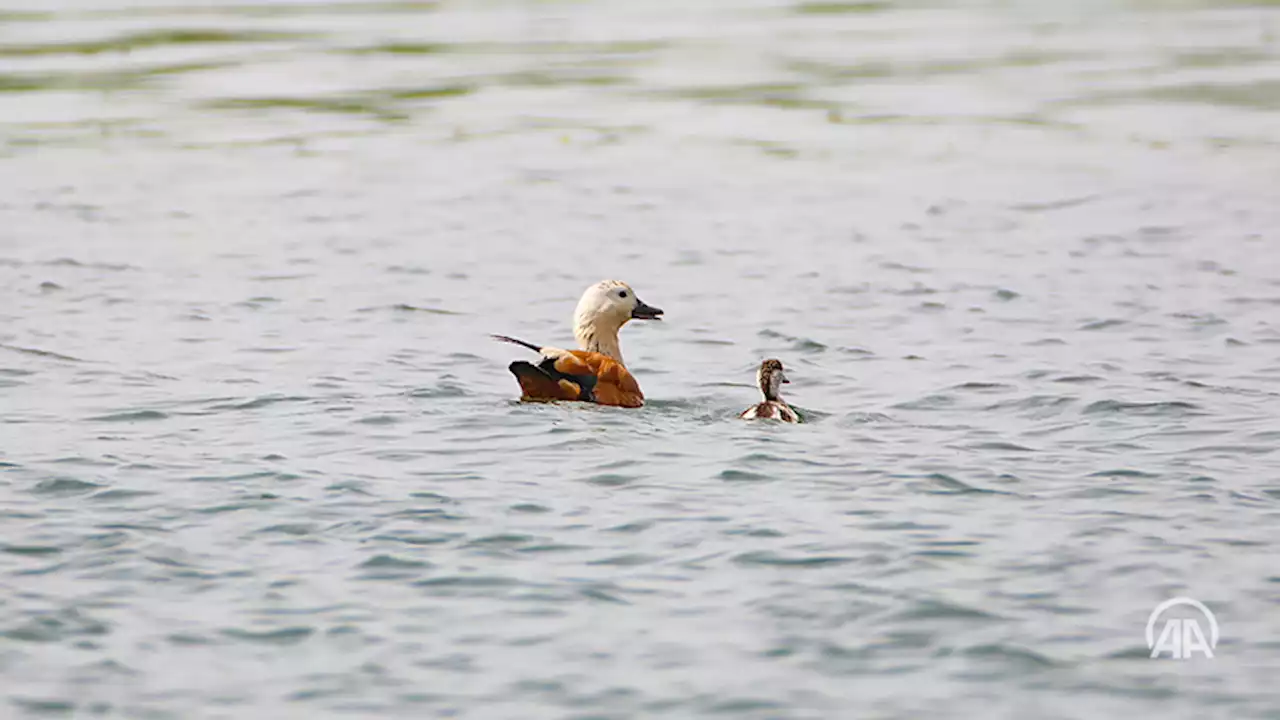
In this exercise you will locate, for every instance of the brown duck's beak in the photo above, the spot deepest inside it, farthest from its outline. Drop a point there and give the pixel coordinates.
(785, 379)
(645, 312)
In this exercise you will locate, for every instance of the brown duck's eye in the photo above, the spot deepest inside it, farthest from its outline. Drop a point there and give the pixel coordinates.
(623, 294)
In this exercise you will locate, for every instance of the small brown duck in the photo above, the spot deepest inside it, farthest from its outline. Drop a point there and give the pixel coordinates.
(771, 378)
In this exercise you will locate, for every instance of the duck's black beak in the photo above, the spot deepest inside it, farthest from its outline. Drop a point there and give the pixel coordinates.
(785, 380)
(645, 312)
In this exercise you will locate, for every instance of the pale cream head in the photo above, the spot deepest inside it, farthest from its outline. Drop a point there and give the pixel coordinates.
(602, 311)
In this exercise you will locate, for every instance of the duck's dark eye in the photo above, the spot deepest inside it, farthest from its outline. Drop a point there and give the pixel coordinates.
(623, 294)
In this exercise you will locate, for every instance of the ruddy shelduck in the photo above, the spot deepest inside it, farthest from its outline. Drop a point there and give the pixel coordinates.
(595, 373)
(771, 378)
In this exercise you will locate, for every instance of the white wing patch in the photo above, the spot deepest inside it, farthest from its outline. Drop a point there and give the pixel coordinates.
(554, 353)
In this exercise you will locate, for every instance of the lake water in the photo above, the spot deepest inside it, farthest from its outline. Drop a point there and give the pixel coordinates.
(260, 459)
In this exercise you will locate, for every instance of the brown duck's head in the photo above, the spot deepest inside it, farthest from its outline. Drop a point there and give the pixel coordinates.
(771, 377)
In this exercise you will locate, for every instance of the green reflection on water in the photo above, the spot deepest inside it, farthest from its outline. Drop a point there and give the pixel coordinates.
(148, 39)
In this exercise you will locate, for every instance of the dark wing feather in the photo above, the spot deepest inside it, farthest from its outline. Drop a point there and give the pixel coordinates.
(537, 384)
(583, 377)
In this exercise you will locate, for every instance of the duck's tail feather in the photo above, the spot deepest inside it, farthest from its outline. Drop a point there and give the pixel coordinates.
(514, 341)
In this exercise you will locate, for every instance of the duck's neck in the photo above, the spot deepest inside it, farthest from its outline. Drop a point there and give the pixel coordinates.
(771, 387)
(596, 336)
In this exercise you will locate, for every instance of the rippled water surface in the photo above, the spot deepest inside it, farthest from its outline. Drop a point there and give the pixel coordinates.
(259, 458)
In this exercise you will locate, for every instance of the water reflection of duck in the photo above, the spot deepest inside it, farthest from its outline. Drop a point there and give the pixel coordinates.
(595, 373)
(771, 378)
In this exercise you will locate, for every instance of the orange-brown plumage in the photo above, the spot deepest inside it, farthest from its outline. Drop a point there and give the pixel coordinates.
(578, 375)
(614, 385)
